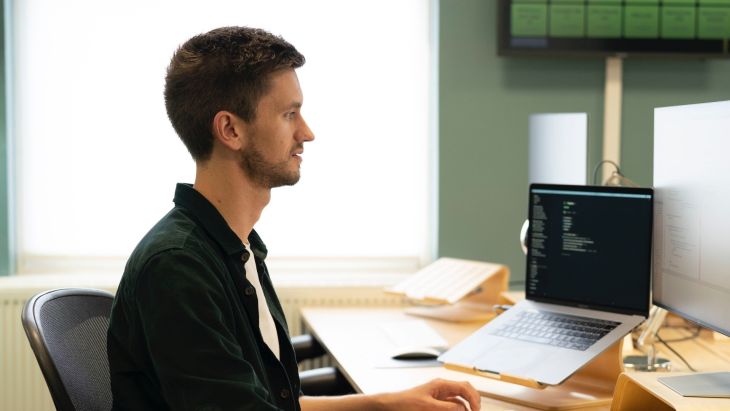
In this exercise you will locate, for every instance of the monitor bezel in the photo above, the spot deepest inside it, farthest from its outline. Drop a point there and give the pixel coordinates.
(692, 318)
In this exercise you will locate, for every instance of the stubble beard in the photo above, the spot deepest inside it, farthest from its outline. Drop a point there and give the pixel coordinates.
(266, 174)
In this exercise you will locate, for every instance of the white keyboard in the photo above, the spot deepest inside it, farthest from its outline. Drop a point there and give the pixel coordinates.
(446, 280)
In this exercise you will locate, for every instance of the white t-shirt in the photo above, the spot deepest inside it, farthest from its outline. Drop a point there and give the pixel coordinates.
(266, 321)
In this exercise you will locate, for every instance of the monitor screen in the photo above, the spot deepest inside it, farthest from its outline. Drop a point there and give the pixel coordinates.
(687, 28)
(692, 227)
(590, 247)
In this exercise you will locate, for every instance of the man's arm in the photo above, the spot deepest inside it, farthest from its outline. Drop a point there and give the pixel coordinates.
(437, 395)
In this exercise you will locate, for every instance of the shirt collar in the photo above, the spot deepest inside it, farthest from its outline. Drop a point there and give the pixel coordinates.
(213, 222)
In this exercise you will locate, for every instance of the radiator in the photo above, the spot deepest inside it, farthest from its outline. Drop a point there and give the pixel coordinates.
(22, 386)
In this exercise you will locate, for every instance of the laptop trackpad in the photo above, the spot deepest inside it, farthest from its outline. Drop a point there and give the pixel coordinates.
(510, 357)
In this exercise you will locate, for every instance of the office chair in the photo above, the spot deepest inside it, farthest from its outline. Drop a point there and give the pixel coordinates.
(67, 330)
(318, 381)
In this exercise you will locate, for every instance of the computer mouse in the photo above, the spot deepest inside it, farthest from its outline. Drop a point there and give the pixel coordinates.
(416, 353)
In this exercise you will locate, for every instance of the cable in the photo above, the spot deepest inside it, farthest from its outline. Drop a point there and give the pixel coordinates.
(616, 178)
(695, 334)
(595, 170)
(675, 353)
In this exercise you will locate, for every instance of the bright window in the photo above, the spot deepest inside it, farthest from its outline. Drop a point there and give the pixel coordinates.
(97, 159)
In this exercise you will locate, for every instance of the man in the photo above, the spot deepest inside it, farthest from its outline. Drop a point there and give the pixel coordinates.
(196, 323)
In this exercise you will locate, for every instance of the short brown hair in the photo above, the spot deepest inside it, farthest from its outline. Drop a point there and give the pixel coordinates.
(224, 69)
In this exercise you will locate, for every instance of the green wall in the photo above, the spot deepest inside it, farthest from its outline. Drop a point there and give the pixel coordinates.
(484, 104)
(6, 262)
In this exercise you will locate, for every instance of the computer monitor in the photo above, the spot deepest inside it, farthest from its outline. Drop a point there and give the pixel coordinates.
(691, 223)
(558, 148)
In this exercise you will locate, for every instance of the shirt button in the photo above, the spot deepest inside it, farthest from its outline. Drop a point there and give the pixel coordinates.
(284, 393)
(244, 256)
(249, 291)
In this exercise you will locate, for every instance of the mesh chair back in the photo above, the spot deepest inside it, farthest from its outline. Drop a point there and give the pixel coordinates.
(67, 332)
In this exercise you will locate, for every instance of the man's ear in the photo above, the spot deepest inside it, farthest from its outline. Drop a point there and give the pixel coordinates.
(228, 129)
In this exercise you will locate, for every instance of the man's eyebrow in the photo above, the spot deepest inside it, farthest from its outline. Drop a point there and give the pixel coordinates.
(295, 104)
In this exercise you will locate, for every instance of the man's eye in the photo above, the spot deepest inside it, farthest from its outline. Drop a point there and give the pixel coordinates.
(291, 114)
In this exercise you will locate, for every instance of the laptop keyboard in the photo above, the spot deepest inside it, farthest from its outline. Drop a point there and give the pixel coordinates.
(560, 330)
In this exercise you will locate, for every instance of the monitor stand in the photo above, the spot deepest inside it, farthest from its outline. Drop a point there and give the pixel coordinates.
(645, 342)
(706, 384)
(647, 363)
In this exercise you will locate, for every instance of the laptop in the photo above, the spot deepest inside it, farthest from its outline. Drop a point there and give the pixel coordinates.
(587, 286)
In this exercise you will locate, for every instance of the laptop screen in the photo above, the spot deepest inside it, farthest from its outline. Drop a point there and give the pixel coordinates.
(590, 247)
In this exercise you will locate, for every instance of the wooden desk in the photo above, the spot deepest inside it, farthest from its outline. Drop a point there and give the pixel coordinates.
(351, 336)
(353, 340)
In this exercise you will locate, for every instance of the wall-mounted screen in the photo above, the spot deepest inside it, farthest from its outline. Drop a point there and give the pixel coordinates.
(600, 28)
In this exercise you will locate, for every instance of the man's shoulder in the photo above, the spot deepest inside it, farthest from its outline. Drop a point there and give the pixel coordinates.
(173, 231)
(176, 233)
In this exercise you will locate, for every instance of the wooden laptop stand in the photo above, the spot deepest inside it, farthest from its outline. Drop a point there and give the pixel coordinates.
(474, 301)
(591, 386)
(476, 306)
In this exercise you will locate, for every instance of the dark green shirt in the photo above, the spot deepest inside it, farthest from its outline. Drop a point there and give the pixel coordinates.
(184, 330)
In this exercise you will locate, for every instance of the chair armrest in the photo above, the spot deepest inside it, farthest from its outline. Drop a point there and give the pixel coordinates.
(306, 347)
(324, 381)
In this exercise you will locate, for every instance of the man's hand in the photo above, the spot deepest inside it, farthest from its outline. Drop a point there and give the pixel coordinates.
(435, 395)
